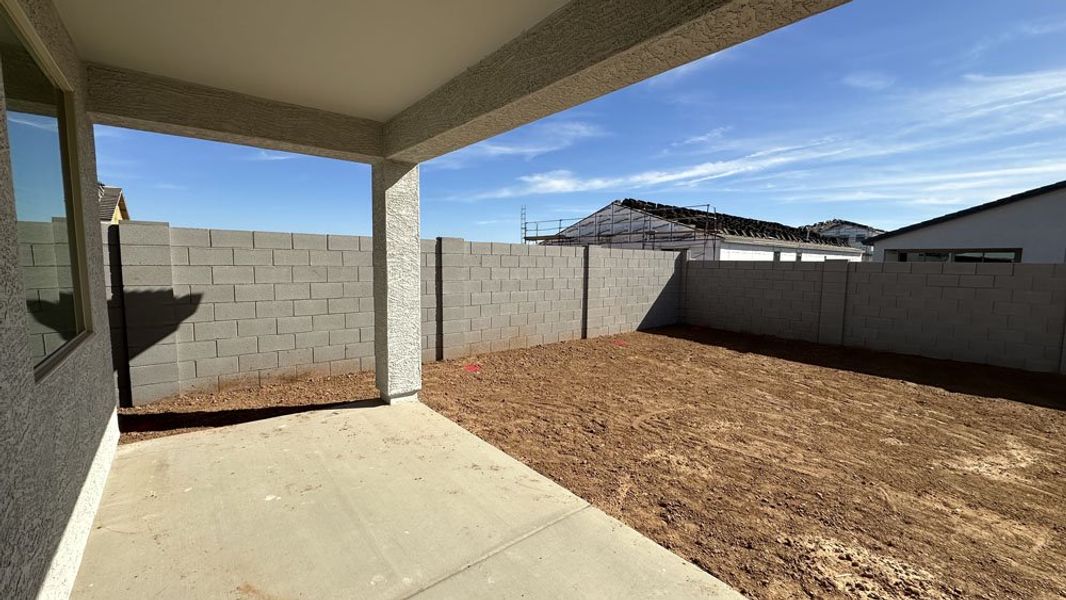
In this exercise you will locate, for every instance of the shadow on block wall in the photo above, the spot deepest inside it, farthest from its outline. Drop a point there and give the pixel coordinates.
(665, 310)
(149, 320)
(985, 381)
(141, 320)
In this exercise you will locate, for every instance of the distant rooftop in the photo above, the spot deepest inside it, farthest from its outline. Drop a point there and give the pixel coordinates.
(821, 226)
(111, 197)
(721, 223)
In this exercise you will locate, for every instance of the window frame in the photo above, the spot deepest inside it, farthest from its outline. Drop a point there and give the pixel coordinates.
(951, 252)
(71, 173)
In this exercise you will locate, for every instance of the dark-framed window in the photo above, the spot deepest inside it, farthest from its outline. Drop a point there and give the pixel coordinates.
(978, 255)
(48, 228)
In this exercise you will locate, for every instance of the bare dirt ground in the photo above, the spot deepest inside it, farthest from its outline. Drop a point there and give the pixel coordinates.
(786, 469)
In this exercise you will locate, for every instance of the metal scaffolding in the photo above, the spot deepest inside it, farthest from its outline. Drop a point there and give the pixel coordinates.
(619, 226)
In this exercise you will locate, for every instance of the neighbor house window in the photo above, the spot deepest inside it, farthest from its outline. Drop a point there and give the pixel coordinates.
(41, 177)
(963, 256)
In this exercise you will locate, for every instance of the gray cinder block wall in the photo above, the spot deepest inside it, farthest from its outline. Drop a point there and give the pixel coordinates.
(204, 308)
(1010, 315)
(44, 258)
(632, 289)
(199, 309)
(501, 296)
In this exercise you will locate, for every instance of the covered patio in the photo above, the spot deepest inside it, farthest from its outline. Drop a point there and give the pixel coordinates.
(359, 502)
(381, 502)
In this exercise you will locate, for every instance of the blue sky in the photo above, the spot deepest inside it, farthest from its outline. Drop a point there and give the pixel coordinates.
(36, 166)
(882, 111)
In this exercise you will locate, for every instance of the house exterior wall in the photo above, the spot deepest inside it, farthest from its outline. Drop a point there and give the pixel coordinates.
(201, 309)
(849, 232)
(1036, 225)
(735, 251)
(58, 432)
(999, 314)
(855, 235)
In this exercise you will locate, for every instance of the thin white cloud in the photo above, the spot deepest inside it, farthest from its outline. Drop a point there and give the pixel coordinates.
(108, 132)
(553, 137)
(1019, 31)
(488, 222)
(964, 141)
(873, 81)
(34, 121)
(565, 181)
(678, 74)
(572, 210)
(111, 168)
(528, 142)
(713, 135)
(269, 155)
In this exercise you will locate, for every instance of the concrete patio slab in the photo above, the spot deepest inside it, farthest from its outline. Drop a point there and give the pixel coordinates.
(382, 502)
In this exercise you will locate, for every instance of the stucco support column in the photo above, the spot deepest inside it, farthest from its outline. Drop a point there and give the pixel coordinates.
(397, 271)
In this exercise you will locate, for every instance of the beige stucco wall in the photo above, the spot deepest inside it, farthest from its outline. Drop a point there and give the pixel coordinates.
(50, 430)
(1036, 225)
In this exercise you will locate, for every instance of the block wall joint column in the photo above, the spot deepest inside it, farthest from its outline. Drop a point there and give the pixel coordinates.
(397, 281)
(438, 272)
(120, 353)
(1062, 340)
(454, 299)
(585, 292)
(681, 268)
(148, 310)
(831, 311)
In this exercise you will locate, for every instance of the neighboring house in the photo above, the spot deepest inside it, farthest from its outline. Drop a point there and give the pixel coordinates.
(112, 204)
(854, 234)
(706, 234)
(1027, 227)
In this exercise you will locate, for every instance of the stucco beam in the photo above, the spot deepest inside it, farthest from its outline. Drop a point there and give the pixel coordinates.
(582, 51)
(142, 101)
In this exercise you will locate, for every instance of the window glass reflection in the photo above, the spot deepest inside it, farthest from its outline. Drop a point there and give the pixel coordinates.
(34, 117)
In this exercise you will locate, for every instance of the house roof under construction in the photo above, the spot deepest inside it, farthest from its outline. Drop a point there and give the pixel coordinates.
(723, 224)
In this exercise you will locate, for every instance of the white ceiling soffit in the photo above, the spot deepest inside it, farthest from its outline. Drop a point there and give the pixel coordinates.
(364, 58)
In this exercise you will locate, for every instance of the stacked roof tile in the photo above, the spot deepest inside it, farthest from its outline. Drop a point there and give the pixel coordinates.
(724, 224)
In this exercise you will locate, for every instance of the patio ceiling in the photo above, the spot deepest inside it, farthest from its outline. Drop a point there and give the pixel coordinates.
(406, 81)
(367, 59)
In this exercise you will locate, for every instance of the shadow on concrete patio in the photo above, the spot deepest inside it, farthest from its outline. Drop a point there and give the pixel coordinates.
(987, 381)
(200, 419)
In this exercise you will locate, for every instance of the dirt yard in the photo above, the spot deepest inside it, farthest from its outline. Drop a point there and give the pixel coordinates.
(786, 469)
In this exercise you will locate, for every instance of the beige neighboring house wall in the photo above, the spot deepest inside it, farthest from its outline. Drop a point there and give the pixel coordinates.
(1032, 223)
